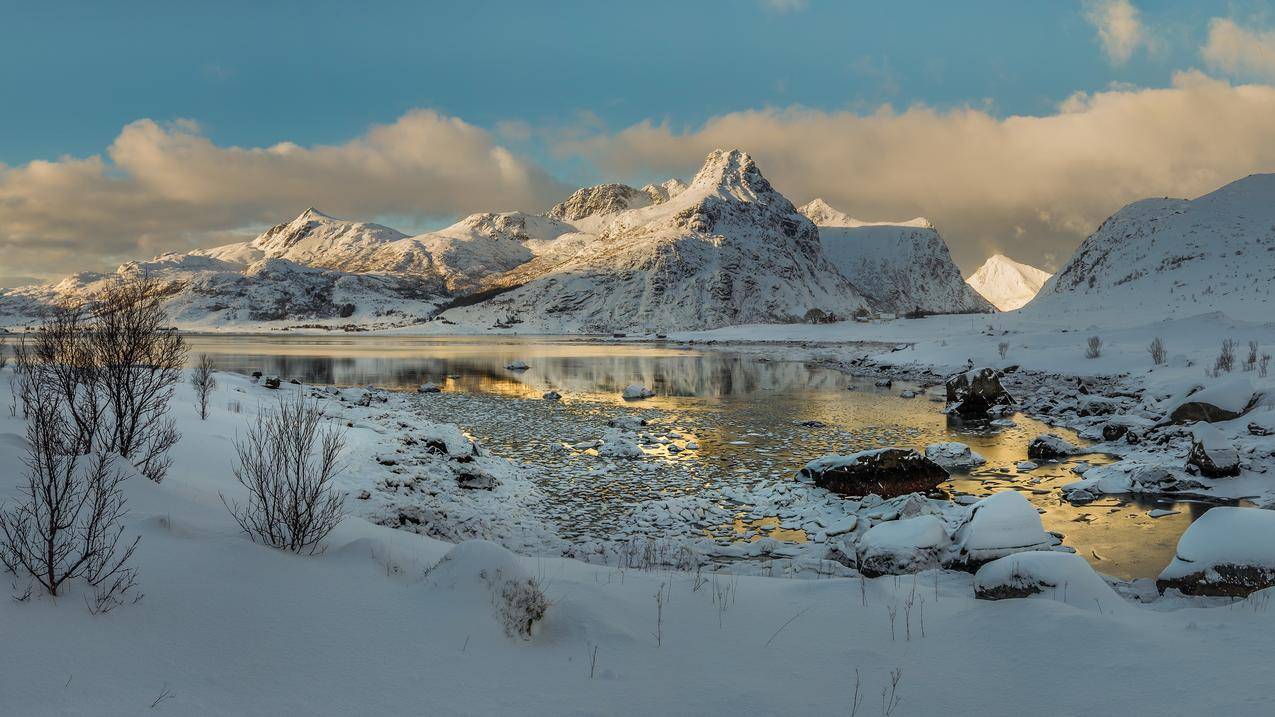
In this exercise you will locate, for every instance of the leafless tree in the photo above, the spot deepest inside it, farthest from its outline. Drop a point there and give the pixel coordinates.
(1002, 348)
(1250, 362)
(139, 359)
(287, 461)
(1094, 347)
(204, 382)
(1263, 365)
(1157, 351)
(67, 523)
(58, 363)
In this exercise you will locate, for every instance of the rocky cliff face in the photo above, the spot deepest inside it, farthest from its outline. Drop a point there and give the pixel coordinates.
(901, 267)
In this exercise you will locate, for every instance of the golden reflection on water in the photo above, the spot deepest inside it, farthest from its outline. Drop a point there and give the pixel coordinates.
(768, 527)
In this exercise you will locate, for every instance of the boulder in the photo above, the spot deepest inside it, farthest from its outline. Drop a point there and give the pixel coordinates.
(473, 478)
(617, 443)
(1050, 447)
(976, 392)
(270, 382)
(953, 455)
(1064, 577)
(635, 391)
(517, 366)
(551, 396)
(902, 546)
(1224, 401)
(998, 525)
(887, 472)
(1212, 453)
(429, 387)
(1227, 551)
(446, 439)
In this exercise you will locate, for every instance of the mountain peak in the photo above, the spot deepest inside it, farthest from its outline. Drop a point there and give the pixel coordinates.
(729, 168)
(311, 214)
(824, 214)
(1008, 284)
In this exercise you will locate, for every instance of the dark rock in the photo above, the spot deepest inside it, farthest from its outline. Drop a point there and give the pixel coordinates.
(472, 478)
(887, 472)
(1114, 431)
(976, 392)
(1224, 580)
(1212, 454)
(1050, 447)
(271, 382)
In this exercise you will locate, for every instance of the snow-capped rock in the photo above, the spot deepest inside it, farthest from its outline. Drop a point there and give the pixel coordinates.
(1049, 575)
(998, 525)
(1160, 258)
(901, 266)
(1227, 551)
(1006, 283)
(1212, 453)
(898, 547)
(1050, 447)
(953, 455)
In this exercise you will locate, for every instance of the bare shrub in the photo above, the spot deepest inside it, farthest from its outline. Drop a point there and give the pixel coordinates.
(66, 525)
(1263, 365)
(139, 362)
(1250, 362)
(1158, 353)
(287, 461)
(204, 382)
(1093, 348)
(4, 356)
(58, 363)
(1002, 348)
(1226, 359)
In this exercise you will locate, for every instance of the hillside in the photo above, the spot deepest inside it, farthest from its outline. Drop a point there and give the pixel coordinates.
(900, 266)
(1163, 258)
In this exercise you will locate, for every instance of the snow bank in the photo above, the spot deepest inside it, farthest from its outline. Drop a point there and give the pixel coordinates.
(1064, 577)
(1227, 551)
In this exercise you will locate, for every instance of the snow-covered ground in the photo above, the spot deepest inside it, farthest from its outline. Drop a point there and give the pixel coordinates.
(227, 626)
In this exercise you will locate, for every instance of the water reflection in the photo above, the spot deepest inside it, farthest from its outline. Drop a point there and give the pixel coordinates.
(746, 414)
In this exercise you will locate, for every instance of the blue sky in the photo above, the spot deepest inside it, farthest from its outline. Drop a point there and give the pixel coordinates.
(561, 87)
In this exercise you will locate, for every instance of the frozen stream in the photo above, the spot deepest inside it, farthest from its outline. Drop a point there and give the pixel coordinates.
(748, 416)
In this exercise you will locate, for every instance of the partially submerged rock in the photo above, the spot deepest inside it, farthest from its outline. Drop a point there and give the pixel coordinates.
(517, 366)
(975, 393)
(953, 455)
(1227, 551)
(898, 547)
(1001, 524)
(429, 387)
(635, 391)
(617, 443)
(551, 396)
(1050, 447)
(887, 472)
(1224, 401)
(1212, 453)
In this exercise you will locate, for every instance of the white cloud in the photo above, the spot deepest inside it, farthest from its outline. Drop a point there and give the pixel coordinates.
(976, 175)
(166, 187)
(1238, 51)
(1119, 27)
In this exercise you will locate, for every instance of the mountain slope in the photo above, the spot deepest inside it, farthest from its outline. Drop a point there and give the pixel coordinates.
(1160, 258)
(727, 249)
(1007, 284)
(901, 267)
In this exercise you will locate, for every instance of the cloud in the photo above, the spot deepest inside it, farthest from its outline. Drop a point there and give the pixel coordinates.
(1119, 27)
(165, 187)
(976, 175)
(1237, 51)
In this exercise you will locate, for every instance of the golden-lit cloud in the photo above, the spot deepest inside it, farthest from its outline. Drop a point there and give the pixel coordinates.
(1028, 186)
(1119, 27)
(1238, 51)
(164, 187)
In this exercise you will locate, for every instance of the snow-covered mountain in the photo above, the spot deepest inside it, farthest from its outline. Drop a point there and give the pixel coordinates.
(726, 249)
(1006, 283)
(900, 266)
(1160, 258)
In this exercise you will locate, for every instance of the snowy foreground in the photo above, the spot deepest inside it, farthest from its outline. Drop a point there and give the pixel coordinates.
(227, 626)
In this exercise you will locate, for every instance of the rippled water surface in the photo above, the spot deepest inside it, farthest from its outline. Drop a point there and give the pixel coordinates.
(745, 412)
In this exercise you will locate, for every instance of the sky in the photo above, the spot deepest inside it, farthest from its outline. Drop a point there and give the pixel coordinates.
(130, 129)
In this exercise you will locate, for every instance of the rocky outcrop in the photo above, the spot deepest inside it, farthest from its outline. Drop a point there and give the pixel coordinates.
(887, 472)
(977, 393)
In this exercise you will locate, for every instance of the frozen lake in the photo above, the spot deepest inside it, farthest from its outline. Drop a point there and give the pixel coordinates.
(747, 414)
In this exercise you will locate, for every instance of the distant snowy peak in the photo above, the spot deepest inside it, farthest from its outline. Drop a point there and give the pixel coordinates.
(316, 239)
(825, 215)
(902, 267)
(1163, 258)
(1008, 284)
